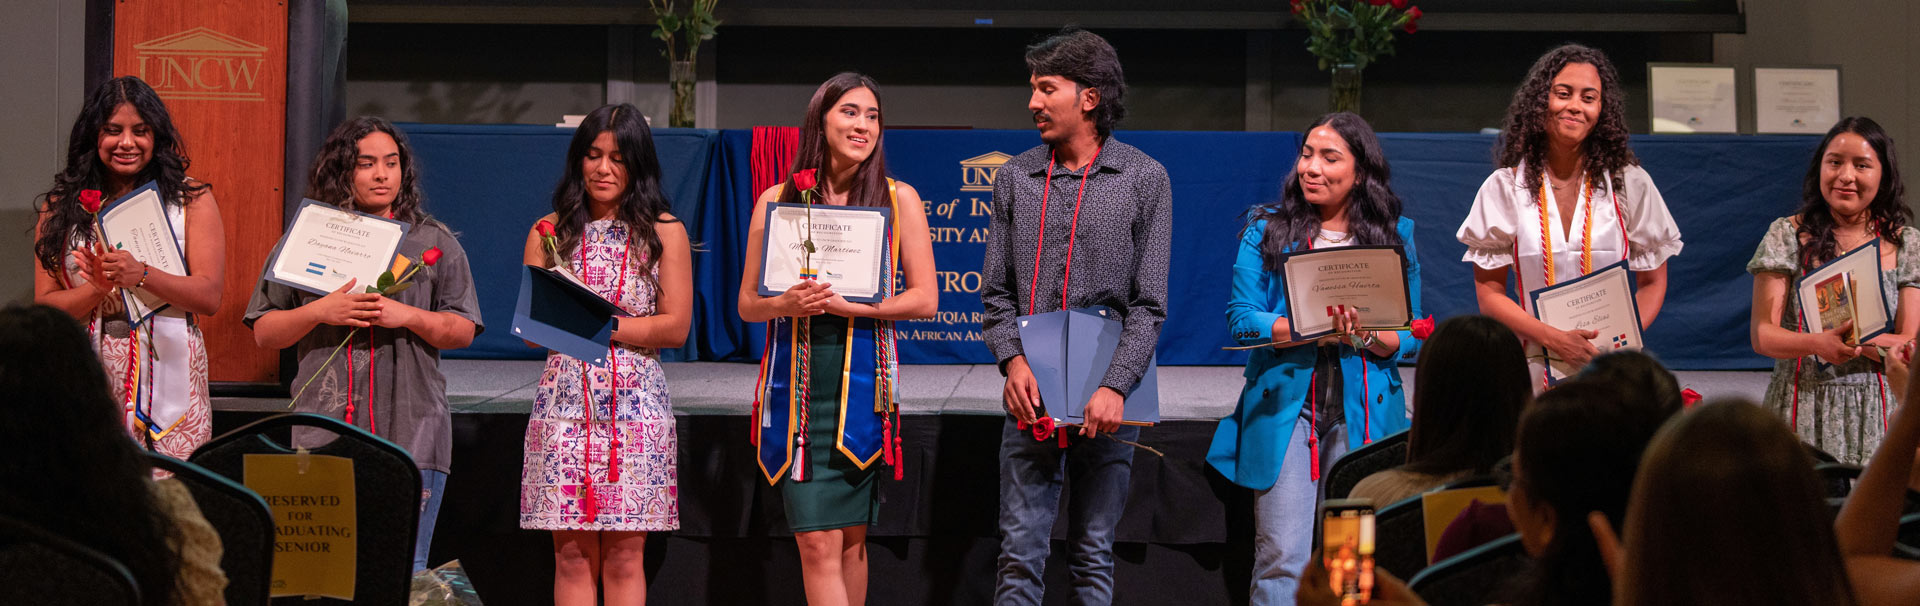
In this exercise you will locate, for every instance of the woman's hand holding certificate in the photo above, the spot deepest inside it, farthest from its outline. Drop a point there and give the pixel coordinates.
(1346, 290)
(845, 245)
(1598, 307)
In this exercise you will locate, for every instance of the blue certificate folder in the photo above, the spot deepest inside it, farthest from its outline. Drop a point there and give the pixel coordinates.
(1069, 351)
(558, 314)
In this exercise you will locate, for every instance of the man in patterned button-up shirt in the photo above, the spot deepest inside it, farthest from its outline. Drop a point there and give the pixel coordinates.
(1120, 242)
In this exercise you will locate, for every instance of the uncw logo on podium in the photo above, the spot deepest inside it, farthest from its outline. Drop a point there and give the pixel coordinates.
(977, 173)
(202, 64)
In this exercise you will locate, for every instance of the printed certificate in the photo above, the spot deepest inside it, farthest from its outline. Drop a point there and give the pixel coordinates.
(137, 223)
(1371, 279)
(1845, 288)
(850, 249)
(1602, 302)
(327, 245)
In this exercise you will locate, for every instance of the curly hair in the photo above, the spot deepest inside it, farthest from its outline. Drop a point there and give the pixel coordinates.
(1373, 209)
(1523, 141)
(331, 180)
(1090, 62)
(643, 205)
(870, 180)
(65, 220)
(1888, 211)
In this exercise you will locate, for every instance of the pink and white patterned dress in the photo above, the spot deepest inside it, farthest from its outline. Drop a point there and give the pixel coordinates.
(562, 432)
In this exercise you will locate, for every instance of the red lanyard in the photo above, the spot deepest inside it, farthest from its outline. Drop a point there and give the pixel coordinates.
(590, 502)
(1072, 230)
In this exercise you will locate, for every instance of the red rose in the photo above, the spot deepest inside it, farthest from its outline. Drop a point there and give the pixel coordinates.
(545, 228)
(1423, 328)
(1412, 27)
(90, 200)
(1042, 428)
(1413, 14)
(430, 257)
(804, 180)
(1377, 2)
(1399, 4)
(1299, 6)
(1689, 397)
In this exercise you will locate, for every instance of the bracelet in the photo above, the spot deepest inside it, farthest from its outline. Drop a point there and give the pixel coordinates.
(143, 276)
(1371, 340)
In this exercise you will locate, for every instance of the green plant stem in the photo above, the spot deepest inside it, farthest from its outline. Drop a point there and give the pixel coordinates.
(323, 367)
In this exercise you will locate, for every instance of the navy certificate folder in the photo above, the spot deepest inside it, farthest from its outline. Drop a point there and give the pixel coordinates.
(559, 314)
(1069, 352)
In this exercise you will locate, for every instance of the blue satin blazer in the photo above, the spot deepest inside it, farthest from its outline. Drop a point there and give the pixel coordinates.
(1249, 445)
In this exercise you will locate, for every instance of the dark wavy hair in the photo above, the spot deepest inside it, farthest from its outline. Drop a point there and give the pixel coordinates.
(65, 220)
(1727, 510)
(65, 451)
(1373, 210)
(1090, 62)
(1577, 450)
(1524, 140)
(1639, 376)
(1468, 391)
(1888, 211)
(331, 180)
(644, 204)
(870, 180)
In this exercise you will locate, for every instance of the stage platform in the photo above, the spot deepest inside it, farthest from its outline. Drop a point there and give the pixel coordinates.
(1185, 537)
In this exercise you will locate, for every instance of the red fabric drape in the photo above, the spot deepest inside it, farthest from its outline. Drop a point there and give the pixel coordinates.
(772, 157)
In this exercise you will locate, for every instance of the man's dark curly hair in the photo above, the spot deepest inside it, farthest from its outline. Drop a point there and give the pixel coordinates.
(1524, 140)
(1085, 58)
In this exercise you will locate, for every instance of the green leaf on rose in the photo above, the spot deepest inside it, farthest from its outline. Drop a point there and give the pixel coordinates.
(398, 288)
(386, 280)
(808, 243)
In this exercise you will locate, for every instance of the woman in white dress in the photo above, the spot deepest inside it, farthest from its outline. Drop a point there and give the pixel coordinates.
(1569, 198)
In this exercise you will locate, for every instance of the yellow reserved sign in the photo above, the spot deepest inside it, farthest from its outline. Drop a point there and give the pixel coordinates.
(314, 517)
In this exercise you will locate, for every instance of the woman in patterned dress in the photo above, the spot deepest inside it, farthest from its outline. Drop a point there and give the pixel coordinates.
(600, 449)
(125, 138)
(1851, 195)
(827, 431)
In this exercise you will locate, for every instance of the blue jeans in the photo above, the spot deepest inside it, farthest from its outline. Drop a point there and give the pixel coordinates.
(432, 484)
(1283, 517)
(1030, 479)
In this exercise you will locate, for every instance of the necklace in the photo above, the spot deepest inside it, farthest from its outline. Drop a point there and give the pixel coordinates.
(1330, 240)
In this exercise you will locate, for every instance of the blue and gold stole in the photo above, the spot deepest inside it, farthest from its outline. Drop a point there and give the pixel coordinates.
(869, 370)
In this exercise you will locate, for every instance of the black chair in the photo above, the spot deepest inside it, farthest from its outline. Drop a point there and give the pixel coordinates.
(386, 486)
(1474, 577)
(1383, 454)
(47, 570)
(243, 521)
(1909, 531)
(1400, 538)
(1837, 478)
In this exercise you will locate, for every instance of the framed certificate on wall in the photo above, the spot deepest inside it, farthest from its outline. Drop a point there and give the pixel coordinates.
(1796, 100)
(1693, 98)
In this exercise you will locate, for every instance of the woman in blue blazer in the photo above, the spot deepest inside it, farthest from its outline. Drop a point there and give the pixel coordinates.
(1306, 402)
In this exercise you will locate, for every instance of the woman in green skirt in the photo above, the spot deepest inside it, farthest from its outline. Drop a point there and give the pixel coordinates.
(826, 405)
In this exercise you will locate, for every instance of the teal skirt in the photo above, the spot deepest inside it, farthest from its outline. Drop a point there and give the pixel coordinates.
(840, 494)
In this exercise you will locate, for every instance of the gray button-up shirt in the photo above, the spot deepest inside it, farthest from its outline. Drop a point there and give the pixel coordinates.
(1119, 253)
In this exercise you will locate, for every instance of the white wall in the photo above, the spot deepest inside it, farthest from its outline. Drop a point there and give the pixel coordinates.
(41, 65)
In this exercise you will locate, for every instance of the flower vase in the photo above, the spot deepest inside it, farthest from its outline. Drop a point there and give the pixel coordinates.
(1344, 95)
(681, 78)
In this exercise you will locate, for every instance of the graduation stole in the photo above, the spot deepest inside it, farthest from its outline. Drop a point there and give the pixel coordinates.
(869, 410)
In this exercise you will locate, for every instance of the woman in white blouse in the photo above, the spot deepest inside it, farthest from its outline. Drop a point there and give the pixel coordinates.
(1569, 198)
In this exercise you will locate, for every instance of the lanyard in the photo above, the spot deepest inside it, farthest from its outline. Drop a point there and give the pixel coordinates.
(1073, 229)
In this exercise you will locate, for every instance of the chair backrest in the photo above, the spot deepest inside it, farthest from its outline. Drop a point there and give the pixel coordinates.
(1400, 538)
(242, 520)
(1837, 478)
(1474, 577)
(386, 487)
(1909, 530)
(44, 569)
(1383, 454)
(1440, 507)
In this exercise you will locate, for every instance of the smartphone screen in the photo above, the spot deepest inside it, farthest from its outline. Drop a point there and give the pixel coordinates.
(1346, 548)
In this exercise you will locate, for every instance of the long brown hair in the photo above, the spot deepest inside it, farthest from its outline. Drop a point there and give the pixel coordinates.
(1727, 510)
(870, 180)
(1524, 140)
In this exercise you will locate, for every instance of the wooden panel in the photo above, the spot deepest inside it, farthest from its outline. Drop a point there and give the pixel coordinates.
(221, 67)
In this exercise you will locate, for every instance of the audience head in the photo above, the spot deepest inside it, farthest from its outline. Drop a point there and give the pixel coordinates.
(1638, 376)
(1577, 450)
(367, 165)
(1077, 83)
(1468, 392)
(1572, 98)
(1727, 509)
(122, 138)
(1854, 173)
(611, 161)
(65, 456)
(1340, 164)
(843, 128)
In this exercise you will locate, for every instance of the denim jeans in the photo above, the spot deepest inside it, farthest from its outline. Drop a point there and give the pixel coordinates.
(1031, 474)
(1283, 517)
(432, 484)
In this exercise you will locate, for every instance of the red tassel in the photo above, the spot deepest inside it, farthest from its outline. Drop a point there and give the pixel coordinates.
(590, 504)
(886, 440)
(349, 381)
(1063, 436)
(1313, 456)
(613, 457)
(373, 358)
(900, 465)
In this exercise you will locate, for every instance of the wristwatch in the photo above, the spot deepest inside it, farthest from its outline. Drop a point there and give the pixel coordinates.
(1366, 342)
